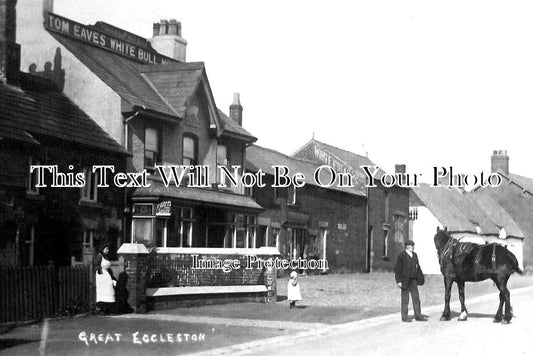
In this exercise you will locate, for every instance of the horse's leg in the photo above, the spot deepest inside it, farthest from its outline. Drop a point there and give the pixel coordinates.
(464, 312)
(507, 298)
(447, 294)
(499, 312)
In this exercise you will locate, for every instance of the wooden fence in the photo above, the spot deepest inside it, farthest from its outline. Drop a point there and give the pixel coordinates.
(34, 293)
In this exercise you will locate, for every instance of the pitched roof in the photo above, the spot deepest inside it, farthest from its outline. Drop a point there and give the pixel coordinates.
(524, 182)
(349, 158)
(206, 196)
(230, 126)
(176, 83)
(258, 157)
(119, 73)
(461, 211)
(36, 110)
(164, 88)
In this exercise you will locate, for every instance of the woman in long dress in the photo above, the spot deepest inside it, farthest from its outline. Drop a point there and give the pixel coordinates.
(105, 283)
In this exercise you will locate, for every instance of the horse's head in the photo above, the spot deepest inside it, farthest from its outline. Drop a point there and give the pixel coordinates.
(441, 239)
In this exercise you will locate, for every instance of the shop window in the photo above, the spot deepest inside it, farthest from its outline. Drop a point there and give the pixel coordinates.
(251, 231)
(31, 187)
(89, 192)
(190, 154)
(152, 147)
(180, 228)
(262, 237)
(273, 239)
(143, 223)
(244, 230)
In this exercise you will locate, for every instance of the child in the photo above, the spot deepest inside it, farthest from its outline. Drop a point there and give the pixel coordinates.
(293, 289)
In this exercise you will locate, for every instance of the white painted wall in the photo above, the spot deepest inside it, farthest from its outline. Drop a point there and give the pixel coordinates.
(422, 231)
(82, 86)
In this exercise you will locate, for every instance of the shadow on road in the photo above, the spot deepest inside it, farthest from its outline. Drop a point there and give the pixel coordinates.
(7, 343)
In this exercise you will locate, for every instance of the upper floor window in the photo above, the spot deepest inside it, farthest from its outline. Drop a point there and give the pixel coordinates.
(222, 156)
(413, 213)
(31, 187)
(152, 147)
(291, 199)
(191, 116)
(89, 192)
(189, 151)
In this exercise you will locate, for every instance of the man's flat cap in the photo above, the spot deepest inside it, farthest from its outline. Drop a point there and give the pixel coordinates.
(409, 242)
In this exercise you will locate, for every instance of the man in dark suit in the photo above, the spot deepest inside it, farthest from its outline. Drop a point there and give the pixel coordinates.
(405, 272)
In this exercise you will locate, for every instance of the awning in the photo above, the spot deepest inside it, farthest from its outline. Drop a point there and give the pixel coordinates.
(196, 196)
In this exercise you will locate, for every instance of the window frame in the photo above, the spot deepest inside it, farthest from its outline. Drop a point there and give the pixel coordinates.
(157, 154)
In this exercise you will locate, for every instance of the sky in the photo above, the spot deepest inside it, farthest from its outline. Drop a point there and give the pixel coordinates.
(422, 83)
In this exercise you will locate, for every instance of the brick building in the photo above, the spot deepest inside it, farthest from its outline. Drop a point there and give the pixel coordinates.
(387, 208)
(311, 221)
(41, 126)
(161, 109)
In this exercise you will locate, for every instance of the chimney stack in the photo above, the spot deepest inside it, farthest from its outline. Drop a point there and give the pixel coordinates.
(167, 40)
(399, 168)
(9, 49)
(235, 109)
(499, 161)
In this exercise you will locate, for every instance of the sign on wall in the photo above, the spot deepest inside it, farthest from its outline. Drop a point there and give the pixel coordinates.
(163, 208)
(90, 35)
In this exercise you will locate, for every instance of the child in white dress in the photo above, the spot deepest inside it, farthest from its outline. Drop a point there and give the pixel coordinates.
(293, 290)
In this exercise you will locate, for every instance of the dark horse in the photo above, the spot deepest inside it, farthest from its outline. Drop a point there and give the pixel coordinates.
(462, 262)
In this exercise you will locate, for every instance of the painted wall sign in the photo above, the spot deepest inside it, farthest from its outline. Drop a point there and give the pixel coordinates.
(163, 208)
(90, 35)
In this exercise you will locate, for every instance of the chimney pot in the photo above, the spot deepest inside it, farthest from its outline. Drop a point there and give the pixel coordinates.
(167, 39)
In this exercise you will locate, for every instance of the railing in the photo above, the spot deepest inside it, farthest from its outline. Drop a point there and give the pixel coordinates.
(34, 293)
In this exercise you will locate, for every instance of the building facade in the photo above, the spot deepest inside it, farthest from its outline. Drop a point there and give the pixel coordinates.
(387, 208)
(53, 214)
(308, 222)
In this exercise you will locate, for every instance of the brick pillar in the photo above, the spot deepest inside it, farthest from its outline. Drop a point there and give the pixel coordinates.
(135, 259)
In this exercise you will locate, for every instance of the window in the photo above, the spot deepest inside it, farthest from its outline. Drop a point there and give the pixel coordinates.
(386, 206)
(413, 213)
(191, 116)
(222, 156)
(291, 199)
(385, 243)
(244, 231)
(180, 228)
(222, 160)
(273, 239)
(143, 223)
(152, 147)
(31, 187)
(89, 192)
(189, 151)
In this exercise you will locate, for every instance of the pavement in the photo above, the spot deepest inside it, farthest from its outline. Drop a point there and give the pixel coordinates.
(209, 330)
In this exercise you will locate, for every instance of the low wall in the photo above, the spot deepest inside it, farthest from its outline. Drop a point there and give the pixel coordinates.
(172, 277)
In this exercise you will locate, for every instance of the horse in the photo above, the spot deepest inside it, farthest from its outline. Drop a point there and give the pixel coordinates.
(462, 262)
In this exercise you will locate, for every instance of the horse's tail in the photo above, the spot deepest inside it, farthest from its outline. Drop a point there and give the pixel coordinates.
(516, 266)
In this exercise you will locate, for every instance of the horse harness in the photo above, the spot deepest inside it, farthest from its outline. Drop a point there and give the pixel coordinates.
(448, 252)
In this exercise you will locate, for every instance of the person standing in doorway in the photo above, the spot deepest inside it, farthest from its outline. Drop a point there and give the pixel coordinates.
(405, 273)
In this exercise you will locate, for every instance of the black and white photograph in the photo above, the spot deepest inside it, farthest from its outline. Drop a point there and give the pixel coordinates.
(231, 177)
